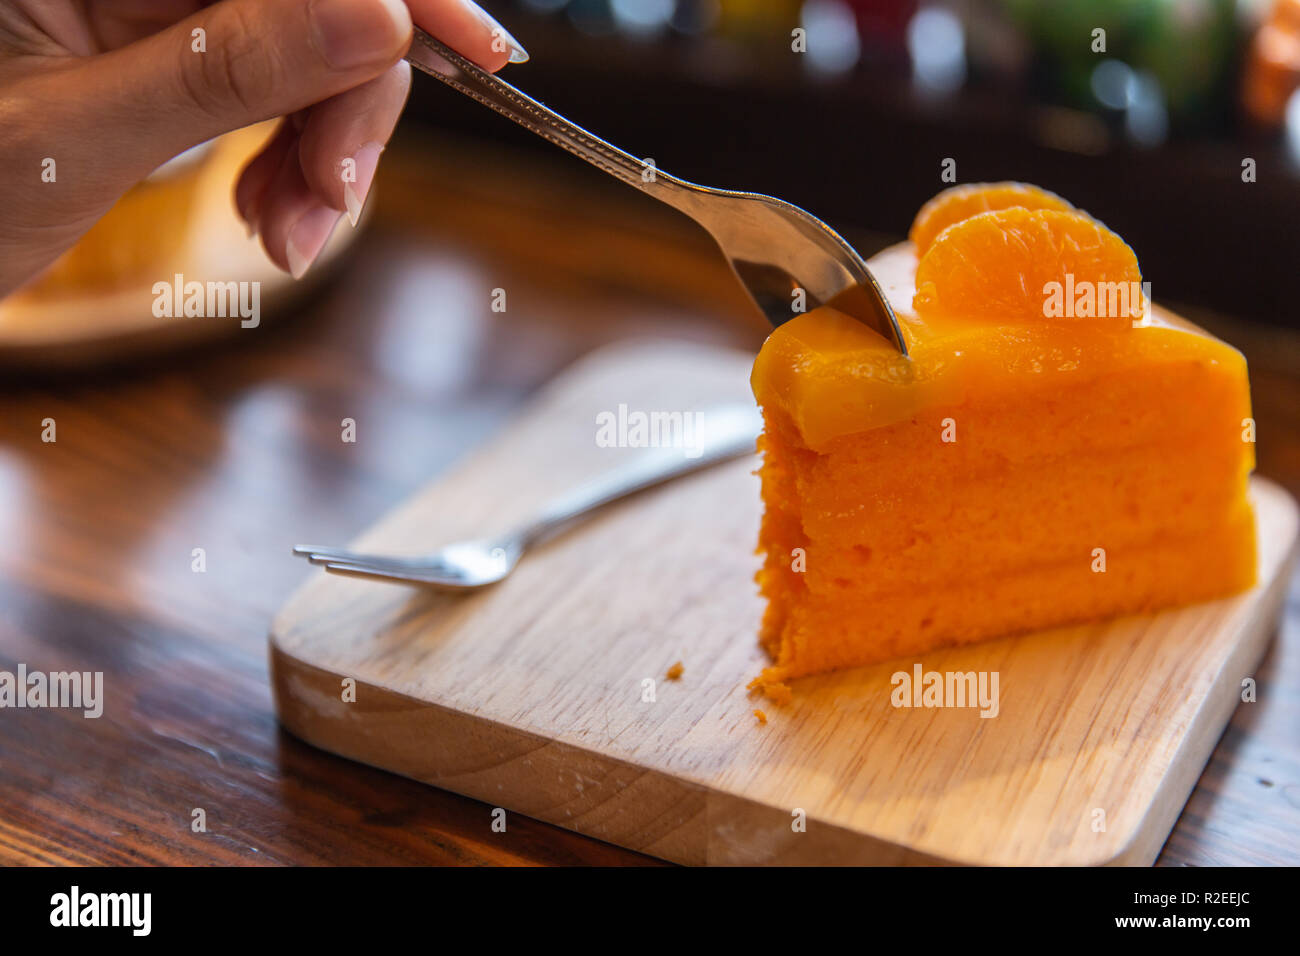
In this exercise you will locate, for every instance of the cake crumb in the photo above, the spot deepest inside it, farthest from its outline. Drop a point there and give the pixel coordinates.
(675, 672)
(771, 688)
(778, 693)
(762, 717)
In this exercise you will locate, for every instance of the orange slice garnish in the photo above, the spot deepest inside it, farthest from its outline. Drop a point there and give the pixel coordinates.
(961, 202)
(1021, 264)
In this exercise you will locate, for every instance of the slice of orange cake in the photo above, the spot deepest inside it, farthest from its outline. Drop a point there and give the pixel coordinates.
(1056, 450)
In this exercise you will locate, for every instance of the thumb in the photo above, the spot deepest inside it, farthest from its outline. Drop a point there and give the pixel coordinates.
(235, 63)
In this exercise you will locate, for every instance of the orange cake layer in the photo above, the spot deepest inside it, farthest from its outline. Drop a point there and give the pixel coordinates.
(1017, 472)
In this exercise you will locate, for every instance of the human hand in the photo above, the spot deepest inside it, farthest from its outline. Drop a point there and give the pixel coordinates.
(111, 89)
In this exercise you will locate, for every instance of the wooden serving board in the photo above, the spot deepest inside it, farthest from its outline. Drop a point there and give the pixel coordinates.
(532, 696)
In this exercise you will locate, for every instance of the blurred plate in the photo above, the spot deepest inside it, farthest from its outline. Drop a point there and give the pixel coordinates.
(62, 322)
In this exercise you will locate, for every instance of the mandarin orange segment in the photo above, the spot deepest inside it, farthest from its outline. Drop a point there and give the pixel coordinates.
(961, 202)
(1022, 265)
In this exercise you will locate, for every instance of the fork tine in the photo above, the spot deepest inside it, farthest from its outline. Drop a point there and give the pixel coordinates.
(323, 555)
(438, 569)
(374, 573)
(311, 550)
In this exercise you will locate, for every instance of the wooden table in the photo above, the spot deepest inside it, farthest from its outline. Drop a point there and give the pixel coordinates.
(237, 450)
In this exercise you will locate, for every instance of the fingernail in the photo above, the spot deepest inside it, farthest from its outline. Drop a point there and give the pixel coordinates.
(250, 217)
(352, 33)
(363, 168)
(308, 237)
(502, 40)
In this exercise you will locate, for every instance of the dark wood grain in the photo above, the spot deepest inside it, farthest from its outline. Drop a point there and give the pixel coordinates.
(236, 449)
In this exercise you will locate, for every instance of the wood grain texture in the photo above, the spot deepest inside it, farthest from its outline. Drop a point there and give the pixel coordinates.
(236, 449)
(530, 695)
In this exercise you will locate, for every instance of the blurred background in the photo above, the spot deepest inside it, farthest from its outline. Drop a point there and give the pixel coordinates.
(1176, 122)
(1141, 111)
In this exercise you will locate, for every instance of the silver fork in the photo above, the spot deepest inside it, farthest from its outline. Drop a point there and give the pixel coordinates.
(775, 248)
(723, 432)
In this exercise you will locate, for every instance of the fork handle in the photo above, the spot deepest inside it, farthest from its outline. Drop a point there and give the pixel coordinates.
(723, 432)
(441, 62)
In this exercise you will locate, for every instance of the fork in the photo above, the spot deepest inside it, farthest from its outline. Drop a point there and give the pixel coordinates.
(775, 248)
(724, 432)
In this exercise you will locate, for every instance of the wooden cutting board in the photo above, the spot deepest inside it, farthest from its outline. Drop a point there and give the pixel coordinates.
(535, 696)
